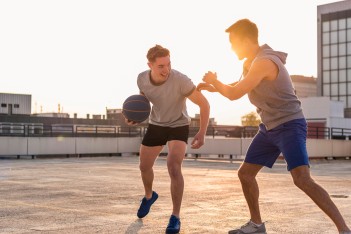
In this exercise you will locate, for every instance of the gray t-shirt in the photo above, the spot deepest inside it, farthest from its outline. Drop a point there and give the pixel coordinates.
(275, 100)
(168, 99)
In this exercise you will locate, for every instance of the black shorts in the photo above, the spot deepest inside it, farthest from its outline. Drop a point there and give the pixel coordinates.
(157, 135)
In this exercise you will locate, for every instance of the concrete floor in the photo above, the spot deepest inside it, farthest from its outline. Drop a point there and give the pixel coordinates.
(102, 195)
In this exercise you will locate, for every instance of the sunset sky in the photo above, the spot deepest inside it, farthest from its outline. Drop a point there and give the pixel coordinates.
(85, 55)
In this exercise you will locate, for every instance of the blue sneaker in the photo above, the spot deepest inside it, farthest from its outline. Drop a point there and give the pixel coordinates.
(146, 205)
(173, 225)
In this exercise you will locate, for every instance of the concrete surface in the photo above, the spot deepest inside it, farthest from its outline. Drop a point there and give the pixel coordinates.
(102, 195)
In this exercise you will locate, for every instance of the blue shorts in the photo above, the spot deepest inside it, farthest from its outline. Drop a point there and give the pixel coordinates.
(288, 138)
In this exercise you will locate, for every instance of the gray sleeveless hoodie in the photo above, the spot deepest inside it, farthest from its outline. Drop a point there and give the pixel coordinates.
(275, 100)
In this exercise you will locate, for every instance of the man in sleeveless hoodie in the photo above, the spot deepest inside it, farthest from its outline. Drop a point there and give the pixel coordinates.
(283, 128)
(167, 89)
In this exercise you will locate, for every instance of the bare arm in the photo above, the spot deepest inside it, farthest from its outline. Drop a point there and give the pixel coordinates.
(199, 99)
(262, 69)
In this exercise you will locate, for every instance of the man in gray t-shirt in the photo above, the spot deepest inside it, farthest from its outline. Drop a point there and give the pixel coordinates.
(167, 90)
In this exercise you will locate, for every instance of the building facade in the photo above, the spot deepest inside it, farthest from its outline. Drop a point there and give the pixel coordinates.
(304, 86)
(334, 52)
(15, 104)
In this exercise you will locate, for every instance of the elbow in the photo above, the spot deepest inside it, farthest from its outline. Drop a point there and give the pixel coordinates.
(232, 98)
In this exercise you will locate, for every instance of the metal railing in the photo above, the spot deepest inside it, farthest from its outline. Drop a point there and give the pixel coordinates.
(41, 130)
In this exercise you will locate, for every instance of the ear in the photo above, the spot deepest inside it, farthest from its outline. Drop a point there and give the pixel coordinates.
(150, 65)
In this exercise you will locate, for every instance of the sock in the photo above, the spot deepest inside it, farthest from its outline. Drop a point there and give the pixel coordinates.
(257, 225)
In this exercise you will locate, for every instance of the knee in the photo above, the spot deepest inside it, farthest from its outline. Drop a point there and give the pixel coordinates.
(174, 170)
(303, 182)
(144, 167)
(245, 176)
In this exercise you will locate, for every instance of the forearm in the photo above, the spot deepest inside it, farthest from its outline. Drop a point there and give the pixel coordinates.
(225, 90)
(204, 117)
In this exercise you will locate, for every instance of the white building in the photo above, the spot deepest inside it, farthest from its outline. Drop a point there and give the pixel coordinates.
(334, 52)
(15, 104)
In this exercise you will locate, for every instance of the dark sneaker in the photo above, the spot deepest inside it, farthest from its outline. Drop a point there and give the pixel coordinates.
(146, 205)
(173, 225)
(249, 228)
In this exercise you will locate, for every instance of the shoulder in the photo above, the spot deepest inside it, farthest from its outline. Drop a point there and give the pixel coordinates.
(179, 75)
(143, 74)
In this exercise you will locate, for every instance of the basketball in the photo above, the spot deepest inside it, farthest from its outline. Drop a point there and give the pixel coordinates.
(136, 108)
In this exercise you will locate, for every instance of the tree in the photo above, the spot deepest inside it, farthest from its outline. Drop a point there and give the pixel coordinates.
(250, 119)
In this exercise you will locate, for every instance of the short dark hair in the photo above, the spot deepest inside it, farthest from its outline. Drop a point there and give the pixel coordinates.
(244, 28)
(156, 52)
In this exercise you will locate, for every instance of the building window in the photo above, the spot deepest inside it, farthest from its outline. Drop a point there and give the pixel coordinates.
(334, 25)
(326, 38)
(342, 75)
(325, 26)
(3, 105)
(342, 62)
(342, 49)
(326, 90)
(342, 89)
(16, 105)
(326, 64)
(334, 50)
(334, 76)
(342, 36)
(342, 23)
(334, 63)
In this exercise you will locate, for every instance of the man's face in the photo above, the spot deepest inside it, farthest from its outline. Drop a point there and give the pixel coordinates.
(238, 45)
(160, 68)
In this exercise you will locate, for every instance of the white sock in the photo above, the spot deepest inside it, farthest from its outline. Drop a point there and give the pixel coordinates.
(257, 225)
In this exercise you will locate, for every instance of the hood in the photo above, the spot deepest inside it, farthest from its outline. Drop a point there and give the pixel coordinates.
(267, 50)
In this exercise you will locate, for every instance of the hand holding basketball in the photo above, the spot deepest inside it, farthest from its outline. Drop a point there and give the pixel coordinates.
(136, 109)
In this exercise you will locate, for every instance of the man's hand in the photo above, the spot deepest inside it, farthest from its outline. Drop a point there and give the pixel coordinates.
(210, 77)
(198, 141)
(207, 87)
(130, 122)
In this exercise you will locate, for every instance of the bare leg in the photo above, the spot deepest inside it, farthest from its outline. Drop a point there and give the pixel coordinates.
(148, 156)
(247, 175)
(174, 164)
(302, 179)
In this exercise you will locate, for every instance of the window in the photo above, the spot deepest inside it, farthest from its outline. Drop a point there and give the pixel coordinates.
(334, 90)
(342, 49)
(342, 62)
(326, 51)
(326, 77)
(326, 90)
(334, 25)
(334, 76)
(326, 38)
(334, 63)
(326, 26)
(342, 36)
(334, 50)
(16, 105)
(326, 64)
(334, 37)
(342, 89)
(3, 105)
(342, 75)
(342, 23)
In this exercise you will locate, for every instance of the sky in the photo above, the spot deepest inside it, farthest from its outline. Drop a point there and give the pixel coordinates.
(85, 55)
